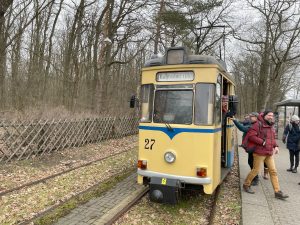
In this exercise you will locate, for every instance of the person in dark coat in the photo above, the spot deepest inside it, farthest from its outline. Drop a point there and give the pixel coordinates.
(247, 120)
(244, 127)
(263, 137)
(291, 136)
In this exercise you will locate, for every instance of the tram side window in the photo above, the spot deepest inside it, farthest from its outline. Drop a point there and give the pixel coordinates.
(147, 102)
(204, 104)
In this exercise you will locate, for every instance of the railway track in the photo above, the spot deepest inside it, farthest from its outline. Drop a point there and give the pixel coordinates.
(44, 179)
(121, 209)
(53, 192)
(213, 206)
(125, 207)
(209, 220)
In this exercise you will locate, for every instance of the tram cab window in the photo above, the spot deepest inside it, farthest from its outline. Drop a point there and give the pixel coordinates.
(146, 102)
(173, 106)
(204, 104)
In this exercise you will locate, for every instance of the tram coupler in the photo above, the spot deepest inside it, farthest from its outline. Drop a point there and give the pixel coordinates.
(163, 190)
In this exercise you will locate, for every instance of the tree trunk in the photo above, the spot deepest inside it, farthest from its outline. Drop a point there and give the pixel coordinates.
(4, 5)
(2, 62)
(158, 26)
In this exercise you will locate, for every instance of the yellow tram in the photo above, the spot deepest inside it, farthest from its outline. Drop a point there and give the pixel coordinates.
(185, 137)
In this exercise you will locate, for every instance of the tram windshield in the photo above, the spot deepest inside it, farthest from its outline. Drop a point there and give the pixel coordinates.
(173, 106)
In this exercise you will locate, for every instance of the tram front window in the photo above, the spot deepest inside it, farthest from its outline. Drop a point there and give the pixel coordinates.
(173, 106)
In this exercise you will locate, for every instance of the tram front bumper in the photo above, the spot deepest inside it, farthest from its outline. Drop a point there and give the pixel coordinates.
(164, 190)
(182, 179)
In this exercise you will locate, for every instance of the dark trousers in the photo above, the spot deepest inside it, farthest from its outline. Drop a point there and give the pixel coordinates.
(294, 155)
(250, 163)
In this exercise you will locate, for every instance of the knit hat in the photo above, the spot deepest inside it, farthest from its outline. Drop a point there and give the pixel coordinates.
(266, 112)
(294, 118)
(253, 114)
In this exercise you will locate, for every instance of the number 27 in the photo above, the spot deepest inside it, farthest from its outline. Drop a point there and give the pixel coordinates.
(149, 143)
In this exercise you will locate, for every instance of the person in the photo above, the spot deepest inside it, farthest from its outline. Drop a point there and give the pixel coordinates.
(224, 104)
(291, 136)
(263, 136)
(244, 127)
(225, 109)
(247, 119)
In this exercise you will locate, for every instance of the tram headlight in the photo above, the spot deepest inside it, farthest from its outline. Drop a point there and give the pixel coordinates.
(170, 157)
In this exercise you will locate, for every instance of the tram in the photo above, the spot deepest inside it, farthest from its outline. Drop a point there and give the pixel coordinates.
(185, 137)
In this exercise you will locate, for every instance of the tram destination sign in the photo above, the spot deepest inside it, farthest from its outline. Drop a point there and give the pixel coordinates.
(175, 76)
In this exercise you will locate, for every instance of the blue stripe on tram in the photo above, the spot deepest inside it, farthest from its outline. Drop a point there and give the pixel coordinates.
(172, 133)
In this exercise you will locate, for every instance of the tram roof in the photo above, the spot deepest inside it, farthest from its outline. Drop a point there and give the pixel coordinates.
(191, 59)
(288, 102)
(183, 57)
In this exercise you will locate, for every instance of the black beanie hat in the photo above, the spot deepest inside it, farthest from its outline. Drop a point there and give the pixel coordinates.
(266, 112)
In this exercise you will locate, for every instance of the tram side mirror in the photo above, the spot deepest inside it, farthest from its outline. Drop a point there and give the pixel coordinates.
(132, 101)
(233, 104)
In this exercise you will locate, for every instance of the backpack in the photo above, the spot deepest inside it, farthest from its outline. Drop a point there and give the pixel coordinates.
(248, 145)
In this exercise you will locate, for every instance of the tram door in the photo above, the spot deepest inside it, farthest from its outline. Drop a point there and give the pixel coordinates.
(224, 110)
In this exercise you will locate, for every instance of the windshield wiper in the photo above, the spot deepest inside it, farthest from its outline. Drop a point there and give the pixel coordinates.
(166, 123)
(169, 126)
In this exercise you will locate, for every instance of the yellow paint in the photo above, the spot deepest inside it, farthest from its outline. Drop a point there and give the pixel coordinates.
(192, 150)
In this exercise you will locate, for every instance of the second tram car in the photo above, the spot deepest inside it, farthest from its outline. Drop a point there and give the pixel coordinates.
(185, 137)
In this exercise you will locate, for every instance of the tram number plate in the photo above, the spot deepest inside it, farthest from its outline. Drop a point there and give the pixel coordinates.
(164, 181)
(149, 143)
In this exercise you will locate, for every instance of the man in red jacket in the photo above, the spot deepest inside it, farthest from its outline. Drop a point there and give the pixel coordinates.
(262, 134)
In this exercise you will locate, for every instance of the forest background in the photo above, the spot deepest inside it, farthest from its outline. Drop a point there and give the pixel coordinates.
(62, 57)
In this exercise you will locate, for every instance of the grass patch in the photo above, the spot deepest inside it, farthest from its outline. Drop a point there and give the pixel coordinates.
(71, 204)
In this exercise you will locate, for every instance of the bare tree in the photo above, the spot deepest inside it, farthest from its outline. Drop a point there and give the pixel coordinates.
(4, 5)
(275, 41)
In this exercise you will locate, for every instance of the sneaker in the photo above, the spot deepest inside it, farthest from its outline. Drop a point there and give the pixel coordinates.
(254, 182)
(294, 170)
(289, 170)
(248, 189)
(280, 195)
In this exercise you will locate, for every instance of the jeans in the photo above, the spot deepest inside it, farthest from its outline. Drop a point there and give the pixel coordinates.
(258, 160)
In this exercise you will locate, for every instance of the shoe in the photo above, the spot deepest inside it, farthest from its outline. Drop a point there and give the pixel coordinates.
(248, 189)
(280, 195)
(254, 182)
(294, 170)
(289, 170)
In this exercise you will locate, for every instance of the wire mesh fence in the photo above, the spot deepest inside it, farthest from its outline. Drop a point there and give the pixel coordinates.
(25, 139)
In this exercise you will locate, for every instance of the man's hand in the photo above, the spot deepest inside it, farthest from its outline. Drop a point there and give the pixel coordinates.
(276, 150)
(284, 140)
